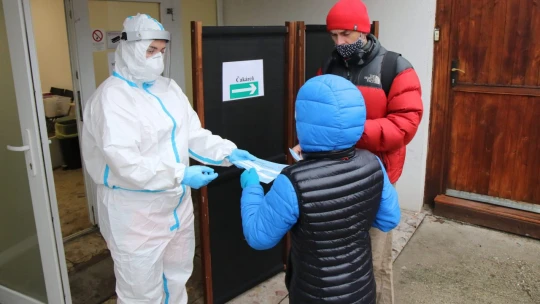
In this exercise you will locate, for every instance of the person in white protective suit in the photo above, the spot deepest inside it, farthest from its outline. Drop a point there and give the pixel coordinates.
(139, 130)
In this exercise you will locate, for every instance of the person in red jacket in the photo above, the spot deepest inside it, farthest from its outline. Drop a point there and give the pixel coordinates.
(392, 94)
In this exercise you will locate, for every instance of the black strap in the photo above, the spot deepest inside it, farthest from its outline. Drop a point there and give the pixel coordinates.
(388, 71)
(326, 66)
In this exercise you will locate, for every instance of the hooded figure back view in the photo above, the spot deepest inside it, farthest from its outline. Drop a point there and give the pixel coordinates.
(329, 200)
(139, 131)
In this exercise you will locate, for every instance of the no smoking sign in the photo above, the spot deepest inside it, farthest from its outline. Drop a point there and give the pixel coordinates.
(98, 40)
(97, 35)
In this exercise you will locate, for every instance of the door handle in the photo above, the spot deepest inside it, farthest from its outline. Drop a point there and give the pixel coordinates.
(27, 148)
(18, 149)
(453, 72)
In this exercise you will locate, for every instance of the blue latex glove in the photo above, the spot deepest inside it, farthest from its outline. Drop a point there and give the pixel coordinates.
(238, 154)
(198, 176)
(249, 178)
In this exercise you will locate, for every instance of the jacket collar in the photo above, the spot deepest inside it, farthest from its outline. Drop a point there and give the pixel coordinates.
(337, 154)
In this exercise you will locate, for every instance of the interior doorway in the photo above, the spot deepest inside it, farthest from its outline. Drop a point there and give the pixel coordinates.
(91, 27)
(63, 108)
(52, 48)
(62, 96)
(72, 64)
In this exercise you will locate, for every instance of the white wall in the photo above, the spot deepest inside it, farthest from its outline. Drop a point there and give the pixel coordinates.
(50, 33)
(194, 10)
(399, 32)
(275, 12)
(411, 36)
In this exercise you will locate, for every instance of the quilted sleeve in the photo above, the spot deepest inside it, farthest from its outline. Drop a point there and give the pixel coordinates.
(267, 218)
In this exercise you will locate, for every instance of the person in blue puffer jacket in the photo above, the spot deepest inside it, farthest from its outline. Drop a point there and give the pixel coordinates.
(329, 200)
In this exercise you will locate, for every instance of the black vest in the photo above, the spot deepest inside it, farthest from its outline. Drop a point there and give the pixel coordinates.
(339, 194)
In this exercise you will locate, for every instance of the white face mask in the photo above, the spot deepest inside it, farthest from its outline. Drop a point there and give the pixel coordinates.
(154, 67)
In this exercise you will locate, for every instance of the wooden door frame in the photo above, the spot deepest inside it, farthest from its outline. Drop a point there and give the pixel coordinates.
(440, 115)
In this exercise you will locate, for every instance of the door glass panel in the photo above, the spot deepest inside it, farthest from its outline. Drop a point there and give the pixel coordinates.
(109, 16)
(20, 260)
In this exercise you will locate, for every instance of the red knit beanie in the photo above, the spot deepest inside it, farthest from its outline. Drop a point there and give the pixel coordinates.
(348, 15)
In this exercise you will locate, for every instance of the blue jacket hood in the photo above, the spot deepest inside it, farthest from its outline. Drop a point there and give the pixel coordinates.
(330, 114)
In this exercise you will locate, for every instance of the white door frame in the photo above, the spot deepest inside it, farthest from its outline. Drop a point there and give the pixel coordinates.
(82, 63)
(80, 89)
(31, 112)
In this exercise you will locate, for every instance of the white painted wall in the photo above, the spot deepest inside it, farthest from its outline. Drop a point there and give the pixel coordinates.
(275, 12)
(405, 27)
(411, 36)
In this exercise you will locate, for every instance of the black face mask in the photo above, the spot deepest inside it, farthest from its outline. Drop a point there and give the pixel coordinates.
(347, 50)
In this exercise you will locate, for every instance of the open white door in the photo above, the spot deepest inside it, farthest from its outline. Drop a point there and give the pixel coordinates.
(89, 21)
(32, 263)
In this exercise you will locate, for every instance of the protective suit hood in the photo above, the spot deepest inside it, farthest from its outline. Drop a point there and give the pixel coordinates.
(330, 114)
(130, 57)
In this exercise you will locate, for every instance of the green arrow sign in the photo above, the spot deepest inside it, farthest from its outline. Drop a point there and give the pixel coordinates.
(245, 89)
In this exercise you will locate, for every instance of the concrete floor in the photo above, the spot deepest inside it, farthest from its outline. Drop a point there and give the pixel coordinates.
(448, 262)
(436, 261)
(273, 291)
(90, 265)
(89, 262)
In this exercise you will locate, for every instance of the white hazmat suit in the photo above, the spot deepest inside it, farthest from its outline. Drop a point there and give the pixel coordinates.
(139, 130)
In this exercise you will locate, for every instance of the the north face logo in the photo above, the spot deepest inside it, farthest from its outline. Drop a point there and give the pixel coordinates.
(373, 79)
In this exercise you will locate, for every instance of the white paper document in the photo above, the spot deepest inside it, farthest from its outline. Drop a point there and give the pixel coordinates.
(267, 171)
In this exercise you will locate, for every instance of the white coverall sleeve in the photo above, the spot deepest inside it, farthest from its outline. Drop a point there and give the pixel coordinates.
(203, 145)
(118, 133)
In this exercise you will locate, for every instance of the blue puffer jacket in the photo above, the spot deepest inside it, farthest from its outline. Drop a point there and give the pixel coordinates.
(330, 116)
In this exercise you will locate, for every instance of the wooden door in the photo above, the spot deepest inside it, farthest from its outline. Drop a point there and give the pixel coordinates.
(485, 120)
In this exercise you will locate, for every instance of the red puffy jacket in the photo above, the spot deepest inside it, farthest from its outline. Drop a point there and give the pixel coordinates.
(392, 121)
